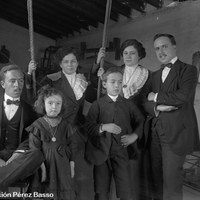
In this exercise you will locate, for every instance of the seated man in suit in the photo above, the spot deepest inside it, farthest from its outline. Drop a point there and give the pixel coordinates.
(16, 160)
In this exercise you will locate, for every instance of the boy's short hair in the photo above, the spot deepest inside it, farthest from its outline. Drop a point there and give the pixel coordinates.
(171, 37)
(8, 68)
(45, 92)
(110, 71)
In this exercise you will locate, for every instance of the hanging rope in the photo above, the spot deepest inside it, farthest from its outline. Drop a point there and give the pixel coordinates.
(104, 40)
(31, 32)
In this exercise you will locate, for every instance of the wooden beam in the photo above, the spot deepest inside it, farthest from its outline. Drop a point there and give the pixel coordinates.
(138, 5)
(47, 10)
(47, 15)
(43, 21)
(116, 7)
(55, 10)
(89, 9)
(121, 8)
(22, 21)
(155, 3)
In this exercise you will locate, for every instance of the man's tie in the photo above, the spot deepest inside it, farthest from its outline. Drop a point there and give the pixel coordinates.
(9, 102)
(169, 65)
(165, 71)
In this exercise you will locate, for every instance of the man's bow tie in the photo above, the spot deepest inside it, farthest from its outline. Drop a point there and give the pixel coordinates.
(169, 65)
(9, 102)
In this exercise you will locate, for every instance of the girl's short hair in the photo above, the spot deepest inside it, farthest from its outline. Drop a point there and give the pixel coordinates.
(64, 51)
(111, 70)
(45, 92)
(137, 45)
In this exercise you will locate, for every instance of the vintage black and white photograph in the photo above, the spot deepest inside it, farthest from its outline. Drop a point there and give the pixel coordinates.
(100, 99)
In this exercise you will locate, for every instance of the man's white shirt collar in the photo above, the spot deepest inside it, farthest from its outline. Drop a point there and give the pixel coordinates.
(174, 60)
(10, 110)
(6, 97)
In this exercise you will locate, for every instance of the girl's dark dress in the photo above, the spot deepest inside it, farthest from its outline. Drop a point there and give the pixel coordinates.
(57, 155)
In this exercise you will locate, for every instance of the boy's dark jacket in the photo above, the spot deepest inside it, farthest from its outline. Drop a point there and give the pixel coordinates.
(123, 113)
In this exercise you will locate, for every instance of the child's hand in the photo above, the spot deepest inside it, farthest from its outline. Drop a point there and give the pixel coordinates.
(128, 139)
(111, 128)
(44, 172)
(151, 96)
(72, 167)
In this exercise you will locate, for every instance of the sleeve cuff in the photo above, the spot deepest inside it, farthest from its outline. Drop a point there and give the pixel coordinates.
(156, 111)
(100, 129)
(20, 151)
(155, 98)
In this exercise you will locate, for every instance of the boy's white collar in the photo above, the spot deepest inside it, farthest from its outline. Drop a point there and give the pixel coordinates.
(114, 98)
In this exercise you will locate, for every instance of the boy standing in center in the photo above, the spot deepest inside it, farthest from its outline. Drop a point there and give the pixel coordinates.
(113, 125)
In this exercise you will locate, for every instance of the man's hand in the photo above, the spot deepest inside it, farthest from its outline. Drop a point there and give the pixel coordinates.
(128, 139)
(111, 128)
(32, 66)
(13, 157)
(151, 96)
(2, 162)
(165, 108)
(72, 167)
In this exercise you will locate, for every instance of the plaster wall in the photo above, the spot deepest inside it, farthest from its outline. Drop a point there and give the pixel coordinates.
(16, 40)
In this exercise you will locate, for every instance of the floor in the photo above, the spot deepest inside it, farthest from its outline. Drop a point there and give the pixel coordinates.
(84, 181)
(190, 194)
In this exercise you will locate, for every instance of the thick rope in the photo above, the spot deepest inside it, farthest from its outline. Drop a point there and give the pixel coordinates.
(31, 34)
(104, 40)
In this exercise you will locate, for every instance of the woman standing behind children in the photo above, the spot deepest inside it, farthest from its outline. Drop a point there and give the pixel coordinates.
(135, 87)
(54, 137)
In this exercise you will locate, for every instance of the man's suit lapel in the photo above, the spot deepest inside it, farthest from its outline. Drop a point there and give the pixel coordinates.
(157, 81)
(21, 127)
(1, 110)
(171, 76)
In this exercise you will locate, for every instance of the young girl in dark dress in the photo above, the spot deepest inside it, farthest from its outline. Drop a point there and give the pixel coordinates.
(54, 137)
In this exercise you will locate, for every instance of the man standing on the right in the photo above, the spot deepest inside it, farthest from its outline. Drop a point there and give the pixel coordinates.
(174, 130)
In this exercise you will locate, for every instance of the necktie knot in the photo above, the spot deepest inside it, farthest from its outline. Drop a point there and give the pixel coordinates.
(9, 102)
(169, 65)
